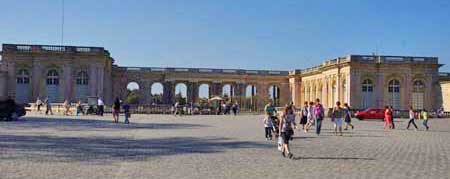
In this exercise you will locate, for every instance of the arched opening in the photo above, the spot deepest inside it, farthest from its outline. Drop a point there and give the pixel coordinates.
(23, 89)
(319, 92)
(81, 86)
(274, 94)
(52, 82)
(156, 93)
(228, 92)
(418, 95)
(250, 97)
(203, 95)
(394, 94)
(181, 93)
(367, 91)
(334, 96)
(132, 93)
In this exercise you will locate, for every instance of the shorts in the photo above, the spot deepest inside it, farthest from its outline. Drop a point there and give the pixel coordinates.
(115, 111)
(286, 137)
(338, 122)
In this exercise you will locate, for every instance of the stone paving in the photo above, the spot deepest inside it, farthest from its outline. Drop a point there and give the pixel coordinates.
(158, 146)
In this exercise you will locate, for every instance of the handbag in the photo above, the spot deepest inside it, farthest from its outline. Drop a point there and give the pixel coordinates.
(280, 143)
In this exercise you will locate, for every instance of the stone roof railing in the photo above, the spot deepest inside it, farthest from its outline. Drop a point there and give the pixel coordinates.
(22, 48)
(208, 70)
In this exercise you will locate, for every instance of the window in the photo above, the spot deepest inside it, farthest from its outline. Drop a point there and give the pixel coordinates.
(418, 95)
(52, 77)
(23, 77)
(82, 78)
(394, 93)
(367, 89)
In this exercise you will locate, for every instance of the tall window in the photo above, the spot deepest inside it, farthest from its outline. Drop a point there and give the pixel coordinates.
(23, 77)
(82, 78)
(334, 95)
(23, 90)
(52, 77)
(394, 93)
(418, 95)
(367, 91)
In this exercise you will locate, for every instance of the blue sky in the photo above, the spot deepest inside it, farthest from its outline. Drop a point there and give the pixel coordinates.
(250, 34)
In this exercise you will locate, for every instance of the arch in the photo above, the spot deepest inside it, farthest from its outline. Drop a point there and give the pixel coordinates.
(23, 90)
(334, 95)
(81, 86)
(132, 93)
(344, 91)
(367, 93)
(156, 93)
(394, 93)
(250, 97)
(250, 91)
(228, 92)
(418, 94)
(274, 94)
(181, 93)
(203, 91)
(52, 82)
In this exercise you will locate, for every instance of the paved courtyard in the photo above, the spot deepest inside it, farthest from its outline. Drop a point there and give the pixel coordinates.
(158, 146)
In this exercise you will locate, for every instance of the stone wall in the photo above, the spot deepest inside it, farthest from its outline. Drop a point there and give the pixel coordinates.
(3, 85)
(445, 85)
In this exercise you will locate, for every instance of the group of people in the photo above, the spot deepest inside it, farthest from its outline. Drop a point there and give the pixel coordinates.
(413, 115)
(226, 108)
(311, 114)
(80, 108)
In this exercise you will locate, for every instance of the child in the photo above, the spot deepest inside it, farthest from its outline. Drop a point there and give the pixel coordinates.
(268, 125)
(126, 110)
(425, 119)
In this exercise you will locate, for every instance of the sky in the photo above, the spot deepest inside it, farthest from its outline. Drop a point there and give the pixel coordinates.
(247, 34)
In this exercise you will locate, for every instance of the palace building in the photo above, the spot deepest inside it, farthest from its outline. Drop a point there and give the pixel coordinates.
(74, 73)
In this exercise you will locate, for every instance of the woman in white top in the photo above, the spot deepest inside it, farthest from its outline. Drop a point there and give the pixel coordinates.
(411, 118)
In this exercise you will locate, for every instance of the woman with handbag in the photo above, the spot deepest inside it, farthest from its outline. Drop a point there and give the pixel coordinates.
(286, 131)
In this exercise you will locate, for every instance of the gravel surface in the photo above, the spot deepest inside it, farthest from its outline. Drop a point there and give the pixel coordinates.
(163, 146)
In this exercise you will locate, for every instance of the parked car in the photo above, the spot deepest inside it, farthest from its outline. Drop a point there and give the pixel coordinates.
(10, 110)
(370, 113)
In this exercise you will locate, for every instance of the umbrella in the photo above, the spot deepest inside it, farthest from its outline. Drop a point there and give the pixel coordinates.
(216, 98)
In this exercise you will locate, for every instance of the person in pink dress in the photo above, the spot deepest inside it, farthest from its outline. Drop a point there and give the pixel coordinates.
(387, 117)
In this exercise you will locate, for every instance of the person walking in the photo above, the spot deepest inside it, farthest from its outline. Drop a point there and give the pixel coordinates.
(284, 131)
(48, 106)
(126, 111)
(387, 117)
(176, 108)
(411, 118)
(319, 114)
(311, 119)
(338, 114)
(425, 119)
(101, 106)
(289, 115)
(79, 108)
(67, 106)
(235, 108)
(304, 116)
(116, 110)
(38, 104)
(268, 127)
(347, 117)
(391, 108)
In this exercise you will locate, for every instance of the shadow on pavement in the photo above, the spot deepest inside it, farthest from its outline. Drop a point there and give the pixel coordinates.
(73, 124)
(331, 158)
(104, 150)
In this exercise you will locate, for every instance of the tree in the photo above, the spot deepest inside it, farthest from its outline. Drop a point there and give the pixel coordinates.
(132, 97)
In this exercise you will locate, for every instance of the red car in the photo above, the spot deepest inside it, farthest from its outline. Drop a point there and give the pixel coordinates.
(370, 113)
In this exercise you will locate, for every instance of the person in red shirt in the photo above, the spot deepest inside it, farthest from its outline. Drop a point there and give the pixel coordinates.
(387, 117)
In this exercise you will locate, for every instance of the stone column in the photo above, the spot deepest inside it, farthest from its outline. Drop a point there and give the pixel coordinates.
(68, 82)
(216, 88)
(354, 92)
(379, 90)
(168, 94)
(407, 92)
(36, 80)
(93, 80)
(100, 89)
(325, 92)
(240, 92)
(262, 95)
(11, 66)
(192, 91)
(284, 95)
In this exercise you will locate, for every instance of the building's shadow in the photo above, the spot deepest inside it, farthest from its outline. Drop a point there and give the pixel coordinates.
(332, 158)
(74, 124)
(104, 150)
